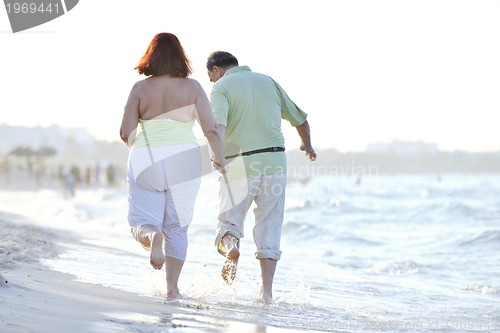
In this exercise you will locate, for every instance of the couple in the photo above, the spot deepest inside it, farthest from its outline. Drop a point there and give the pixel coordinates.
(242, 123)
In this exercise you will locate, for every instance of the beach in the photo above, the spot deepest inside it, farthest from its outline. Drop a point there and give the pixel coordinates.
(35, 298)
(408, 253)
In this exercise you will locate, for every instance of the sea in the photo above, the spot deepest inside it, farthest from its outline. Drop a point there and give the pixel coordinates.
(382, 253)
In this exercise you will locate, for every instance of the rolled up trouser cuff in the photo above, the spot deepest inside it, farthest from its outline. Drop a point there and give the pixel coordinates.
(223, 230)
(268, 254)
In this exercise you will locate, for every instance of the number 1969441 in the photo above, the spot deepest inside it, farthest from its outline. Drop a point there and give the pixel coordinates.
(32, 8)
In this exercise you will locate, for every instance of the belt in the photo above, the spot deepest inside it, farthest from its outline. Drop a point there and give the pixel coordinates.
(258, 151)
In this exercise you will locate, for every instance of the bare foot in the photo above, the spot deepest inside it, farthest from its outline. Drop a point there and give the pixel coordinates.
(267, 298)
(173, 295)
(157, 258)
(229, 268)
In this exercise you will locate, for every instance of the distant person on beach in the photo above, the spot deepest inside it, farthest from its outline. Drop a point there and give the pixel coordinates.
(71, 178)
(111, 175)
(248, 107)
(164, 166)
(5, 170)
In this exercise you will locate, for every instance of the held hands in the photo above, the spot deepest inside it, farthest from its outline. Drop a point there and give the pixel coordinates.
(221, 166)
(309, 152)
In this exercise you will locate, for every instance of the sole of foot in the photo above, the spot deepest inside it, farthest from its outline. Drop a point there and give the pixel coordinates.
(157, 258)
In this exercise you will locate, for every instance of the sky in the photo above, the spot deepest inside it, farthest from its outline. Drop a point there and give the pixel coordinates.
(364, 71)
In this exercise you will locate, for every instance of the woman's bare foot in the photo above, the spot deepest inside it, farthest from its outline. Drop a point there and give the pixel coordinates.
(230, 265)
(157, 258)
(173, 295)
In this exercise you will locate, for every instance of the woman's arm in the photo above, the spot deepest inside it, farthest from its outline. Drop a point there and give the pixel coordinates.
(130, 115)
(210, 129)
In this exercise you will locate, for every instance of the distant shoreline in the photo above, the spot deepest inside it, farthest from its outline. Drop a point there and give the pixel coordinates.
(367, 163)
(67, 147)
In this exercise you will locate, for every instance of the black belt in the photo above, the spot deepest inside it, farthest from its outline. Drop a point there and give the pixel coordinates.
(257, 151)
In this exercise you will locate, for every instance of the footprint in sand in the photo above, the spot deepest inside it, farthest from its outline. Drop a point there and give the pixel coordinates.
(3, 282)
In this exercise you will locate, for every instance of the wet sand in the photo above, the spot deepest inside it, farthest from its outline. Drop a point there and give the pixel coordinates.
(35, 298)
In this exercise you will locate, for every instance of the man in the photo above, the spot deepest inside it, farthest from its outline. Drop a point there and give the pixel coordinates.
(248, 108)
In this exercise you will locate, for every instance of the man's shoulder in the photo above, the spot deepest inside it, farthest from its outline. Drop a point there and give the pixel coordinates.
(253, 76)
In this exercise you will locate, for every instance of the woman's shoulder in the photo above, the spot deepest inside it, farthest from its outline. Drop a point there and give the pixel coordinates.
(194, 86)
(193, 82)
(138, 85)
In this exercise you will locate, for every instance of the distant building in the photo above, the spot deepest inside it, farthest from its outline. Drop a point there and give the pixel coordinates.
(55, 137)
(71, 145)
(403, 148)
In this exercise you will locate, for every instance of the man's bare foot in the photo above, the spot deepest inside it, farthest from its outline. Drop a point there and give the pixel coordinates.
(229, 268)
(267, 298)
(157, 258)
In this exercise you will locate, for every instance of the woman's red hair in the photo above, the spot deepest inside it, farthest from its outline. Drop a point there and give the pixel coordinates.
(164, 56)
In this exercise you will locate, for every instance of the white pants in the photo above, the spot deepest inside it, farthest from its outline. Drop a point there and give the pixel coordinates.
(163, 194)
(268, 193)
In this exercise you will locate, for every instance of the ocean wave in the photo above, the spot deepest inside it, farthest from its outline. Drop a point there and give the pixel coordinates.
(354, 240)
(397, 268)
(299, 205)
(304, 232)
(328, 253)
(432, 211)
(484, 238)
(291, 227)
(460, 208)
(480, 289)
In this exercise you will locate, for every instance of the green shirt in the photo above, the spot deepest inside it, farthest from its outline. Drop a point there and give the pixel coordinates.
(160, 132)
(251, 105)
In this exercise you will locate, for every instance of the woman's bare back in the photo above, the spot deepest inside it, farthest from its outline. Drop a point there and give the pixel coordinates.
(166, 97)
(179, 99)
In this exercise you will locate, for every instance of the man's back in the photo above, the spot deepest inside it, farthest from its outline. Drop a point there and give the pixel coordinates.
(248, 104)
(248, 108)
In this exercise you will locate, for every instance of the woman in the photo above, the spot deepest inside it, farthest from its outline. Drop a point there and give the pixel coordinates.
(164, 165)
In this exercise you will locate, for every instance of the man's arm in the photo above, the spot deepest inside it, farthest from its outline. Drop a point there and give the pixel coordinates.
(305, 135)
